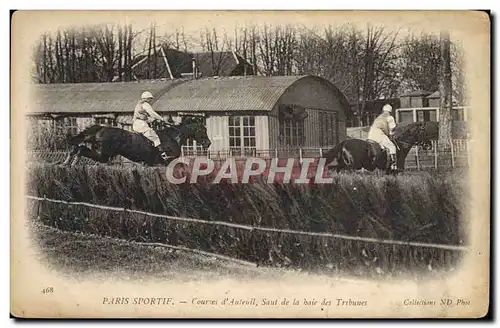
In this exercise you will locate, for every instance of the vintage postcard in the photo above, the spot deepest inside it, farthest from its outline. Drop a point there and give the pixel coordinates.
(250, 164)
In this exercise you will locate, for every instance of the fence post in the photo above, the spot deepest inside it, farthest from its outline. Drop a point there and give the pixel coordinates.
(182, 151)
(320, 152)
(300, 154)
(416, 158)
(436, 154)
(276, 153)
(452, 154)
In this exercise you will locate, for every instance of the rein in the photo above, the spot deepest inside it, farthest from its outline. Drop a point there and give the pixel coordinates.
(171, 126)
(397, 142)
(174, 127)
(186, 131)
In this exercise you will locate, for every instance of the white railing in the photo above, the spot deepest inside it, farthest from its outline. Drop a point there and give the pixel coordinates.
(300, 153)
(451, 154)
(257, 228)
(418, 158)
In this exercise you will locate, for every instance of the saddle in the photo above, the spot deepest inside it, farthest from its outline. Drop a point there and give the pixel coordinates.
(375, 150)
(374, 147)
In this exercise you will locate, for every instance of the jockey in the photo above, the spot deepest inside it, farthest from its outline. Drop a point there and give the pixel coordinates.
(381, 129)
(143, 113)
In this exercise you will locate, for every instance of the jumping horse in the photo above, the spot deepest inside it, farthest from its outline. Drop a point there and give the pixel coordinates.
(102, 143)
(355, 154)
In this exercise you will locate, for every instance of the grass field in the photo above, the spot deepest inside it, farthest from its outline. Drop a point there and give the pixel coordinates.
(423, 207)
(80, 254)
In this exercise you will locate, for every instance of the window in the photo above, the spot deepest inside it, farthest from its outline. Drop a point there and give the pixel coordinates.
(68, 125)
(192, 149)
(291, 133)
(432, 116)
(72, 125)
(242, 135)
(426, 115)
(107, 121)
(405, 117)
(328, 128)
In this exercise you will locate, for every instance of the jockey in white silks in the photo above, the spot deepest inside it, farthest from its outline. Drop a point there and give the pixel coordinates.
(381, 129)
(143, 113)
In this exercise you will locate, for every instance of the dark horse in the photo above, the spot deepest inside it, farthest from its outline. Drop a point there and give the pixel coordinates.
(355, 154)
(101, 143)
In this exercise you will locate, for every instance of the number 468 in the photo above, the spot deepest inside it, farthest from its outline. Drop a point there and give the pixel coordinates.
(47, 290)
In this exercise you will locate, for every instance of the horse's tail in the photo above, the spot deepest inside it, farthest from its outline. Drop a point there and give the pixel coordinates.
(333, 156)
(86, 135)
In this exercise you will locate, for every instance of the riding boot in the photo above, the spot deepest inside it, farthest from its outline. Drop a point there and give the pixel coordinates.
(394, 165)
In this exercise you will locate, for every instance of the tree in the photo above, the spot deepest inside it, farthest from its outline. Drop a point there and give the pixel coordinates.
(445, 105)
(420, 63)
(277, 47)
(211, 43)
(458, 80)
(241, 45)
(334, 54)
(92, 54)
(378, 64)
(246, 40)
(363, 65)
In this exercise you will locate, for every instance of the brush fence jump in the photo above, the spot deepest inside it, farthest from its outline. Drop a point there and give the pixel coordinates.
(251, 228)
(454, 154)
(242, 242)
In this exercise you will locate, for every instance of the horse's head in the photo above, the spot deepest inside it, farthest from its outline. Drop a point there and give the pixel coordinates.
(195, 129)
(429, 131)
(418, 133)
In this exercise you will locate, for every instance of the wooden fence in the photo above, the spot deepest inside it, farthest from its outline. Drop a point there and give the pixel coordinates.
(455, 154)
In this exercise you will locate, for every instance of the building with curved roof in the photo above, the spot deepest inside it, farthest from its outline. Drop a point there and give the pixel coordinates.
(248, 115)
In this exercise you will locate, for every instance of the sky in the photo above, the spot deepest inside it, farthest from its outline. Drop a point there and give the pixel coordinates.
(192, 22)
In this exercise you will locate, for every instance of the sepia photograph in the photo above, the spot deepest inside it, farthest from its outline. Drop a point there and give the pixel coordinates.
(250, 164)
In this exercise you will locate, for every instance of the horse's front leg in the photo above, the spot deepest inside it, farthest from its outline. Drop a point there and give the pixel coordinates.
(71, 154)
(77, 154)
(92, 154)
